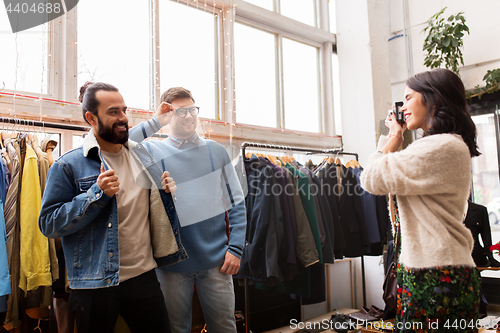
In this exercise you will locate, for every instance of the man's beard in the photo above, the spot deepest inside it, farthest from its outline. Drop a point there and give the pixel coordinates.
(108, 133)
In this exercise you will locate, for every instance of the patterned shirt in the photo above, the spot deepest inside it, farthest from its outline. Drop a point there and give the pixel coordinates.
(177, 143)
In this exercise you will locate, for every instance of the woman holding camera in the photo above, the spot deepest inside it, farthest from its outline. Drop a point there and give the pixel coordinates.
(438, 284)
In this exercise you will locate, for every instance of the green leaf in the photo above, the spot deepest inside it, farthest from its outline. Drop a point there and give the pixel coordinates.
(446, 41)
(454, 42)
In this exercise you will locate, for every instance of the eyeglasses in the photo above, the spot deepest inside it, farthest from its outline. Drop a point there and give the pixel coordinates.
(193, 111)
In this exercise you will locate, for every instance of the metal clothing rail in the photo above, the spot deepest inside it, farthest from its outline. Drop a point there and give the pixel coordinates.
(43, 124)
(308, 151)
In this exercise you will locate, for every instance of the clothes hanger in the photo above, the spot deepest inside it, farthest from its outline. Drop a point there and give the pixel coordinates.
(352, 164)
(271, 157)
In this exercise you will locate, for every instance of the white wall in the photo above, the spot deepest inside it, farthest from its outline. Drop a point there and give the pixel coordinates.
(481, 48)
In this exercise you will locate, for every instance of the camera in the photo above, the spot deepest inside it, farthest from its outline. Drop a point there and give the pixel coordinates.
(400, 117)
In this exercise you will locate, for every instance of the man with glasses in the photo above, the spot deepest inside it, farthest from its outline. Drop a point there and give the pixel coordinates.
(207, 188)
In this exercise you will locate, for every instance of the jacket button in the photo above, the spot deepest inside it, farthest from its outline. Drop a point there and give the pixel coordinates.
(110, 225)
(108, 281)
(98, 195)
(111, 255)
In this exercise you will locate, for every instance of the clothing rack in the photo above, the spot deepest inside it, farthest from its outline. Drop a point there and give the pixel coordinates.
(308, 151)
(43, 124)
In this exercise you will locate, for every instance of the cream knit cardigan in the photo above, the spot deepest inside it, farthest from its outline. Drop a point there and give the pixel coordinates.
(431, 180)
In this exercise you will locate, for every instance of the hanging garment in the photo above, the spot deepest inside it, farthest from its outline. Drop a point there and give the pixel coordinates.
(11, 213)
(352, 217)
(478, 223)
(4, 179)
(304, 188)
(35, 261)
(305, 247)
(332, 189)
(259, 260)
(349, 211)
(369, 203)
(5, 289)
(323, 210)
(44, 166)
(39, 299)
(286, 255)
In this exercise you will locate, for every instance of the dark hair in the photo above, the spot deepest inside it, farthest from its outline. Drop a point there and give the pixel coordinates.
(175, 93)
(444, 95)
(87, 96)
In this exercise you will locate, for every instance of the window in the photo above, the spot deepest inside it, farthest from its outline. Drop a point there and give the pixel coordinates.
(266, 4)
(333, 16)
(255, 76)
(77, 140)
(485, 176)
(301, 86)
(188, 53)
(113, 43)
(113, 47)
(301, 10)
(24, 58)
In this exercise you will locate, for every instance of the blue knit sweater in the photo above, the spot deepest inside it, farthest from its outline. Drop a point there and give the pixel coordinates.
(207, 187)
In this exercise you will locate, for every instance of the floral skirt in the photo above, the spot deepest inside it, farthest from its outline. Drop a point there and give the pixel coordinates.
(443, 299)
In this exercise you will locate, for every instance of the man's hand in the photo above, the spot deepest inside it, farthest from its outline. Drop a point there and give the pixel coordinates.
(231, 264)
(164, 113)
(108, 182)
(168, 183)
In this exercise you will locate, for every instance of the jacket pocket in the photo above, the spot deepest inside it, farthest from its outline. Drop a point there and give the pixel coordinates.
(84, 184)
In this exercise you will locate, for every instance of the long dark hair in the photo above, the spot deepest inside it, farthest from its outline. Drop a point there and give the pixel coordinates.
(444, 95)
(87, 96)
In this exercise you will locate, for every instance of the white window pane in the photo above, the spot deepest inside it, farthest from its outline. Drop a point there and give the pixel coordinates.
(266, 4)
(187, 53)
(301, 10)
(333, 16)
(31, 57)
(485, 177)
(77, 140)
(113, 47)
(301, 86)
(485, 167)
(255, 76)
(336, 94)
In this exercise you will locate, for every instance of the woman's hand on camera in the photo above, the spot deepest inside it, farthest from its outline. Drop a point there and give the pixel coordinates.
(395, 128)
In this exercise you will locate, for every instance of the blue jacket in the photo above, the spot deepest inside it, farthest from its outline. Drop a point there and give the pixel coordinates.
(76, 209)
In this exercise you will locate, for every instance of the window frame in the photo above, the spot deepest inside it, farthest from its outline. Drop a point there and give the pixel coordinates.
(63, 67)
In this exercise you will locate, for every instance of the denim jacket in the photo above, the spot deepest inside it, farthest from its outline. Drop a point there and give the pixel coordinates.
(76, 209)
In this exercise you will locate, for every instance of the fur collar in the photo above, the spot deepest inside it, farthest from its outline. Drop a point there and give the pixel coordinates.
(90, 142)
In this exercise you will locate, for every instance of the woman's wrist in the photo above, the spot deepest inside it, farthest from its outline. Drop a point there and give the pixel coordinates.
(399, 137)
